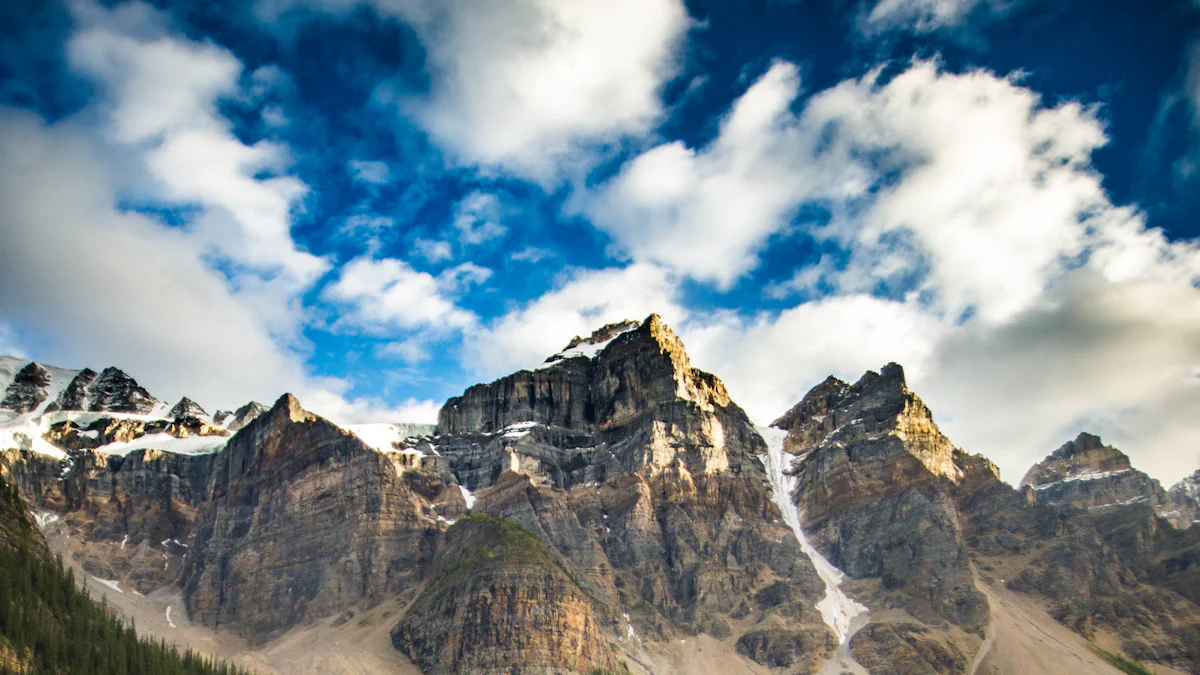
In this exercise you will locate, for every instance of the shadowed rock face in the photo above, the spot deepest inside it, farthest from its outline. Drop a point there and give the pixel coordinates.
(301, 520)
(874, 492)
(27, 390)
(147, 500)
(110, 391)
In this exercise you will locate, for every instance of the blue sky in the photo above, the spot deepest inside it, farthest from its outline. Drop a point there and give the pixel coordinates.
(376, 203)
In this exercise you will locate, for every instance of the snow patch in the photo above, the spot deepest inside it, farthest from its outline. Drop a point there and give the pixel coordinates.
(44, 519)
(111, 583)
(169, 621)
(837, 609)
(124, 541)
(585, 349)
(1087, 475)
(467, 496)
(383, 436)
(518, 429)
(191, 445)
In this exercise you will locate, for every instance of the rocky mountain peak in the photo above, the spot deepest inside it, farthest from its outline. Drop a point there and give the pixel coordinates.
(878, 405)
(1086, 473)
(285, 407)
(186, 408)
(603, 334)
(613, 376)
(27, 390)
(241, 417)
(109, 391)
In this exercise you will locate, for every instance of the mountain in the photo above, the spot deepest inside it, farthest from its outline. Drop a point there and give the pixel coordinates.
(50, 626)
(612, 509)
(1088, 474)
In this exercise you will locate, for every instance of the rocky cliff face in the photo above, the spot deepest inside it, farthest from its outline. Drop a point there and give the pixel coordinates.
(498, 602)
(1088, 474)
(874, 492)
(28, 390)
(300, 519)
(643, 478)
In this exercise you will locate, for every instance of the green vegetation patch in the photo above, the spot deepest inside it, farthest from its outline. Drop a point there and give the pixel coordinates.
(492, 542)
(1122, 662)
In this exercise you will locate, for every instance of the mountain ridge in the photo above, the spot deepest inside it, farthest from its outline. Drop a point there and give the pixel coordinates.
(664, 518)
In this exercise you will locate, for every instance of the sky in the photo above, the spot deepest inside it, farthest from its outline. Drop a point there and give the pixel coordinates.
(374, 204)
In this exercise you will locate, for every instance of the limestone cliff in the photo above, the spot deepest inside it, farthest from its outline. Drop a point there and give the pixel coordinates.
(300, 519)
(498, 602)
(642, 476)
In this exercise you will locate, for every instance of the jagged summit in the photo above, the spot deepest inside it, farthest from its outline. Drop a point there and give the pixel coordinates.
(587, 393)
(109, 391)
(239, 418)
(1086, 473)
(186, 408)
(879, 405)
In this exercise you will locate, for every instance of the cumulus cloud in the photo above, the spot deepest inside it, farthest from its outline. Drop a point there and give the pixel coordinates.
(160, 95)
(527, 85)
(975, 244)
(707, 212)
(208, 308)
(387, 294)
(477, 218)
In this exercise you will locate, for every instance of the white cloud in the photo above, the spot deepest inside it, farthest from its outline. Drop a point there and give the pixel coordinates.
(527, 85)
(464, 276)
(530, 254)
(707, 212)
(369, 172)
(101, 285)
(388, 294)
(1028, 299)
(433, 250)
(477, 218)
(160, 93)
(581, 302)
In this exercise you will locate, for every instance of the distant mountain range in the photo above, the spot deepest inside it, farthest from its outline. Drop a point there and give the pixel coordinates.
(612, 510)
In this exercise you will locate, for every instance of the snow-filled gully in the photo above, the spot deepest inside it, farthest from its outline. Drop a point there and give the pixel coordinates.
(841, 613)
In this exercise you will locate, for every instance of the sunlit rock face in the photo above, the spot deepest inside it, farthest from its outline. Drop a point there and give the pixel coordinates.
(642, 477)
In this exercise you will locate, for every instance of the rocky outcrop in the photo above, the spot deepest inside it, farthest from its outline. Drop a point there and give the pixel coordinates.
(186, 408)
(1185, 498)
(133, 512)
(244, 415)
(28, 390)
(1091, 570)
(498, 602)
(110, 391)
(300, 520)
(875, 480)
(1088, 474)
